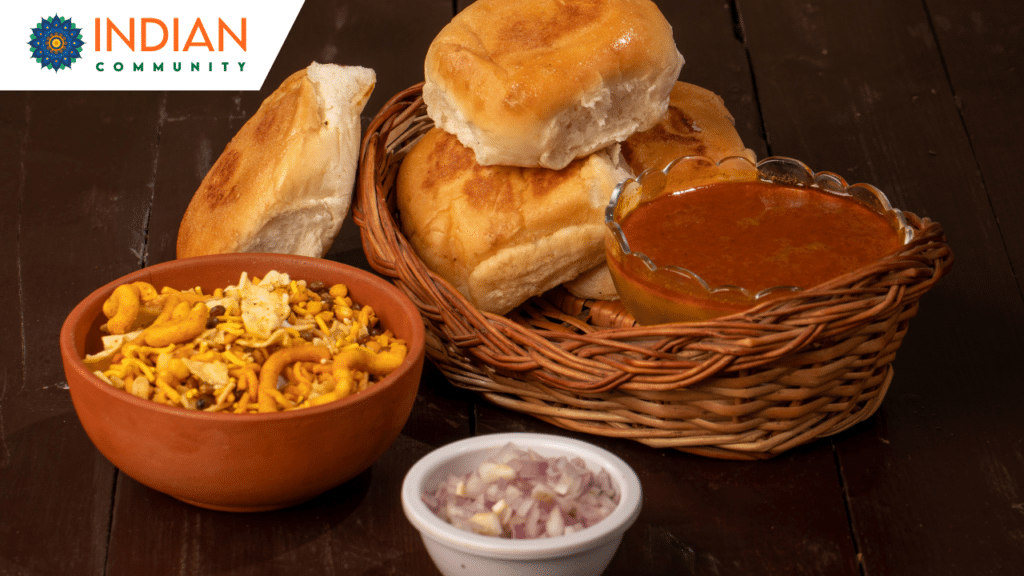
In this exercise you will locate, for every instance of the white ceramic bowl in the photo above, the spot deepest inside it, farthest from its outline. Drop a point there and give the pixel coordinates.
(460, 552)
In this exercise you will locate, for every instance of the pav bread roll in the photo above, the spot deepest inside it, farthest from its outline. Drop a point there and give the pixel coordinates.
(594, 284)
(502, 234)
(284, 183)
(697, 123)
(542, 82)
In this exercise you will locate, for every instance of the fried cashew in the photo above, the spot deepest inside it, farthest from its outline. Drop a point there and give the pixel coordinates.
(147, 292)
(140, 387)
(376, 363)
(344, 384)
(122, 307)
(180, 327)
(170, 304)
(363, 360)
(268, 396)
(190, 297)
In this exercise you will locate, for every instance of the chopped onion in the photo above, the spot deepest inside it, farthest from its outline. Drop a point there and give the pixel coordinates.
(521, 494)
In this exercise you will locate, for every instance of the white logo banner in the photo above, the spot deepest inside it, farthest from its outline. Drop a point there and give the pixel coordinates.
(132, 45)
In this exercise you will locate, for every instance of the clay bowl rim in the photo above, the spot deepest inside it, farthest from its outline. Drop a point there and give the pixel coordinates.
(69, 341)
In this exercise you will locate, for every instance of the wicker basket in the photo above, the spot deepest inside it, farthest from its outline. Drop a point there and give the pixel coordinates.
(746, 386)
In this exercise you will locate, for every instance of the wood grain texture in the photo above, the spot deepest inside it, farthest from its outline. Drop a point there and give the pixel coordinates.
(356, 528)
(709, 37)
(946, 445)
(983, 56)
(83, 199)
(920, 97)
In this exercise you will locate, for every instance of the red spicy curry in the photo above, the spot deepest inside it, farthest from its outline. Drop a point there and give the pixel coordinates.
(758, 235)
(755, 235)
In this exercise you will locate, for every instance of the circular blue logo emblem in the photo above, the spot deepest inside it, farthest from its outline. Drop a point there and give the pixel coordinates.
(56, 43)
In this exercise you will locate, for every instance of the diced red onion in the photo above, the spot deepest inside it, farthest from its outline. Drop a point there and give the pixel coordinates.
(521, 494)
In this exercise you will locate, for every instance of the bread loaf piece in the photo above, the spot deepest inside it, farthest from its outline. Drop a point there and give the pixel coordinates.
(284, 183)
(501, 234)
(594, 284)
(697, 123)
(542, 82)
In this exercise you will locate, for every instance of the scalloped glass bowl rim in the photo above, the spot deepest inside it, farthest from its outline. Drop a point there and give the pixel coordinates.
(778, 169)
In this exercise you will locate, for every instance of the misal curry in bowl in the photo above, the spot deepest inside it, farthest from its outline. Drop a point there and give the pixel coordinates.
(680, 253)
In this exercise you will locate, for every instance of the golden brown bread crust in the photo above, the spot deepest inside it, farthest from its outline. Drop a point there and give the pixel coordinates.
(540, 82)
(594, 284)
(502, 234)
(284, 182)
(697, 123)
(217, 203)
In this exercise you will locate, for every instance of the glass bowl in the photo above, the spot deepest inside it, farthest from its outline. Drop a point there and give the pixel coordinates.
(656, 293)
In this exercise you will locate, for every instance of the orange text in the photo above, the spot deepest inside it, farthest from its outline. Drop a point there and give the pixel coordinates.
(154, 34)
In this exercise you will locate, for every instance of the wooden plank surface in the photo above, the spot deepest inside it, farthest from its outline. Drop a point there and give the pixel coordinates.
(920, 97)
(862, 90)
(709, 37)
(15, 440)
(83, 199)
(983, 56)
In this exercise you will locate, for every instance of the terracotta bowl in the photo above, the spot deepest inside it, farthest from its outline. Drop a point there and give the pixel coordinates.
(244, 462)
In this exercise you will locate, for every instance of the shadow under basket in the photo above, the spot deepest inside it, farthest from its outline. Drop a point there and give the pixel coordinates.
(747, 386)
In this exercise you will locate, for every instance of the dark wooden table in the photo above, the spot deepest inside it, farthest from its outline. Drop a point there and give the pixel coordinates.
(920, 97)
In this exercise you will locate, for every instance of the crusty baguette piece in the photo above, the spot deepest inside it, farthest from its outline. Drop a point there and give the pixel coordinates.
(284, 183)
(502, 234)
(542, 82)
